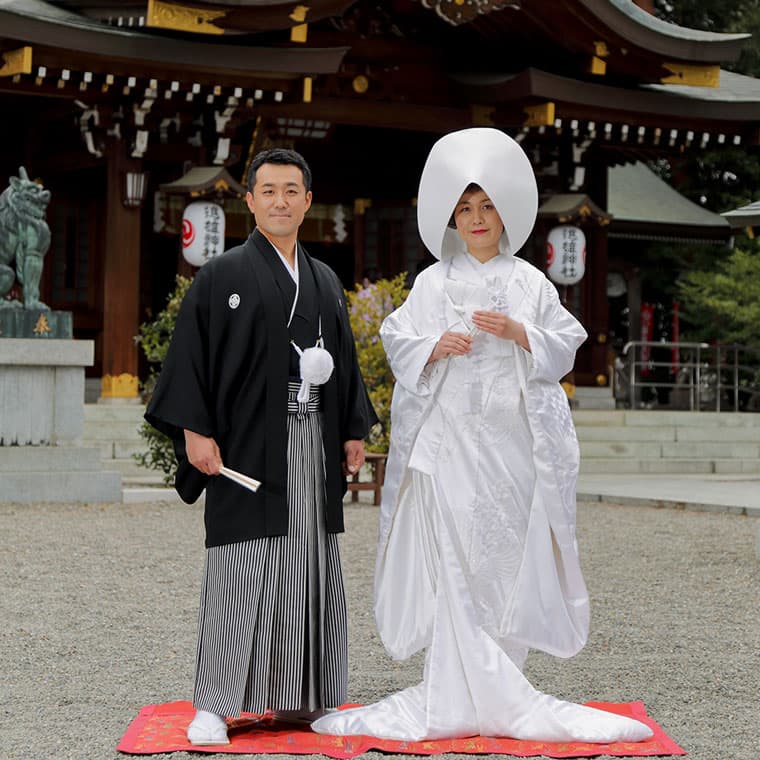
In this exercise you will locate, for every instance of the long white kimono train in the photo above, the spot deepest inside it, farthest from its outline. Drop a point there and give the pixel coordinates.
(477, 557)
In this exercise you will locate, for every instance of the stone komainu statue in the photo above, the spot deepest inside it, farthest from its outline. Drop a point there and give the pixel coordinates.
(24, 237)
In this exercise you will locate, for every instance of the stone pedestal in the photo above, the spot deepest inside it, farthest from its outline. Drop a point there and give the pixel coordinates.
(41, 422)
(38, 324)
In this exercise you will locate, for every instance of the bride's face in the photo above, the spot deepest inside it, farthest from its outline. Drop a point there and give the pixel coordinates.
(478, 224)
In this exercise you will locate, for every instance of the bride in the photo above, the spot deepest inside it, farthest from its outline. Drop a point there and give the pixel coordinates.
(477, 557)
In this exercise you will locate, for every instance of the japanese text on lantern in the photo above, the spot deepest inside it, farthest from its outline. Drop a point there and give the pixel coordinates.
(203, 228)
(211, 230)
(566, 254)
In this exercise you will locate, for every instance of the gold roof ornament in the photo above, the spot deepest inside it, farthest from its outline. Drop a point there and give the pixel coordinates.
(458, 12)
(571, 208)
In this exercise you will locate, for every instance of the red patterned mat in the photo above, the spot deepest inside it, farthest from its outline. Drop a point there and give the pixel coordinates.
(161, 728)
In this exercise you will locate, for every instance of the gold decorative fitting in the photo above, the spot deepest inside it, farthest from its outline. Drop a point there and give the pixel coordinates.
(601, 380)
(167, 15)
(482, 116)
(307, 83)
(601, 338)
(16, 62)
(42, 327)
(598, 66)
(299, 13)
(695, 76)
(299, 33)
(360, 84)
(541, 115)
(600, 49)
(119, 386)
(361, 205)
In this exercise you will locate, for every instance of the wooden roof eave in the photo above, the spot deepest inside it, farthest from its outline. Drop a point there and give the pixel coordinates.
(54, 58)
(534, 85)
(642, 29)
(663, 231)
(38, 23)
(260, 16)
(745, 216)
(368, 113)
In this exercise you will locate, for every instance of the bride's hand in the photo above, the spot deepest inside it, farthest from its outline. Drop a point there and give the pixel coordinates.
(501, 326)
(451, 344)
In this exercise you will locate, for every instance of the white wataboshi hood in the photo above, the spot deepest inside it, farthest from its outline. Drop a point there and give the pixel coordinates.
(486, 157)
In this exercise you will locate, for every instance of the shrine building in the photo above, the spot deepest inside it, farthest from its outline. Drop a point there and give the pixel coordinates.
(128, 111)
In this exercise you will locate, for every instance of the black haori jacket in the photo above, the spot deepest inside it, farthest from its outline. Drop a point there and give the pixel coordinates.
(226, 375)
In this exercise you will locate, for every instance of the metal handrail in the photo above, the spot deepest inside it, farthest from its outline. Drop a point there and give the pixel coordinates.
(700, 368)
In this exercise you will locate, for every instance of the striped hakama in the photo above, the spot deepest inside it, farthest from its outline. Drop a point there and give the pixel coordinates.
(272, 623)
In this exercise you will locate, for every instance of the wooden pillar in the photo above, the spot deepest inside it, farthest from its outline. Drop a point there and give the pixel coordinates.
(121, 281)
(596, 306)
(360, 231)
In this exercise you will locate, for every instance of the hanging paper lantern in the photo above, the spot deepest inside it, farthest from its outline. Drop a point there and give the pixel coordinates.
(202, 232)
(566, 254)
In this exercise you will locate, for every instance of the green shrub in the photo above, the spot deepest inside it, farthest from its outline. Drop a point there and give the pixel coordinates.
(723, 302)
(153, 339)
(367, 308)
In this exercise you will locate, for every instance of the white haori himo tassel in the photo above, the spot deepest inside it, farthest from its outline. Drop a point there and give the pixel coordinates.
(316, 368)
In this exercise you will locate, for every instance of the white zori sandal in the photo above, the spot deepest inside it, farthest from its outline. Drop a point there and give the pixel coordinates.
(207, 728)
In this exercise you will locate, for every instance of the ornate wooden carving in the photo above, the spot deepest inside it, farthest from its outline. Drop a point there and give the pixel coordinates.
(461, 11)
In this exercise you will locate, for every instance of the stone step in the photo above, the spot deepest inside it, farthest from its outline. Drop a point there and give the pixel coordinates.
(593, 398)
(666, 450)
(612, 433)
(114, 412)
(151, 480)
(599, 417)
(141, 495)
(639, 418)
(693, 419)
(711, 450)
(103, 430)
(621, 449)
(120, 449)
(751, 434)
(130, 469)
(616, 433)
(632, 466)
(48, 459)
(64, 486)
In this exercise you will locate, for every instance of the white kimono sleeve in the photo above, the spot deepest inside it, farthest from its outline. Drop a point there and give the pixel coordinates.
(409, 338)
(554, 337)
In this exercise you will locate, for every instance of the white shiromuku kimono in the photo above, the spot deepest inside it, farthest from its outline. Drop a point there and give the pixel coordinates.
(477, 558)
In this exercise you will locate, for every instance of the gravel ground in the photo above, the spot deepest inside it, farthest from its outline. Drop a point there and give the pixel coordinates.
(99, 609)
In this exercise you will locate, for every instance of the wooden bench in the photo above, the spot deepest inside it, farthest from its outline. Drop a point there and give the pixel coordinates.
(376, 464)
